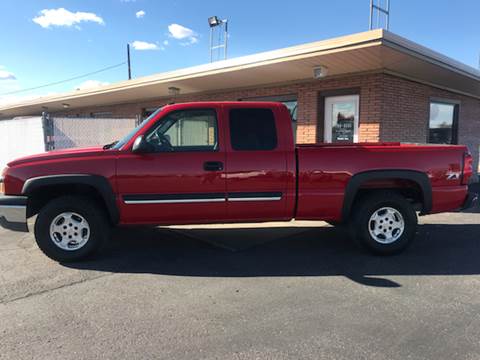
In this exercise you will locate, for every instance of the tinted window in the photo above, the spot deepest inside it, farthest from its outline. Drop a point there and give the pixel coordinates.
(189, 130)
(443, 123)
(252, 129)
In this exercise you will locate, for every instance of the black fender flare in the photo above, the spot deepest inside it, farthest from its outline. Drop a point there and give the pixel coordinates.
(358, 179)
(99, 183)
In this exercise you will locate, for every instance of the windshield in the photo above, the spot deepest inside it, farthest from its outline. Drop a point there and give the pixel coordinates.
(132, 133)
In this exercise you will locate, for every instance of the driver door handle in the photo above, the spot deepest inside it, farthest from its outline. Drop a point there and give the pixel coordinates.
(213, 166)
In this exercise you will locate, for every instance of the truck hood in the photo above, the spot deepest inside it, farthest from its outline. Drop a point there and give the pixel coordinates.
(59, 154)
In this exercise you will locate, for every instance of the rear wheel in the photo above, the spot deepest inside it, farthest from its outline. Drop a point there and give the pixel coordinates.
(71, 228)
(384, 223)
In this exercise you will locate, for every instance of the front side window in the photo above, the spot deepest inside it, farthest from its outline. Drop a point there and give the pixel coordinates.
(118, 145)
(252, 129)
(442, 127)
(185, 130)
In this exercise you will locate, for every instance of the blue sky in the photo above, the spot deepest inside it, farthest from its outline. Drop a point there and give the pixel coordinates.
(42, 44)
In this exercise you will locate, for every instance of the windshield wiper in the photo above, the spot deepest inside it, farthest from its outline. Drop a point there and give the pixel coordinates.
(109, 146)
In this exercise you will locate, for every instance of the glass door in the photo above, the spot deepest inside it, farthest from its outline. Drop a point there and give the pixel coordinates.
(341, 119)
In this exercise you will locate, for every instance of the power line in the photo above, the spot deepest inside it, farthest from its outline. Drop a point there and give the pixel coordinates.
(66, 80)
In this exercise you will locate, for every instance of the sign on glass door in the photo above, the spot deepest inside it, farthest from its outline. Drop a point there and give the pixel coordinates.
(341, 119)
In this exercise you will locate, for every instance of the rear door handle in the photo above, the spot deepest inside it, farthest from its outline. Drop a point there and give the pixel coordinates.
(213, 166)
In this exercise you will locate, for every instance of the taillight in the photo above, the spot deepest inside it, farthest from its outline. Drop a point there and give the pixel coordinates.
(467, 168)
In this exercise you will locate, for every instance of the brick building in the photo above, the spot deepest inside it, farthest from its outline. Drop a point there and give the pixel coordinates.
(367, 87)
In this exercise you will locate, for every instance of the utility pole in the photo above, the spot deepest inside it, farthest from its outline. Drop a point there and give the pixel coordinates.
(128, 62)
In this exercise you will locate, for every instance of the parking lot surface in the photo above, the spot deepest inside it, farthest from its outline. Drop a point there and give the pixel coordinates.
(291, 290)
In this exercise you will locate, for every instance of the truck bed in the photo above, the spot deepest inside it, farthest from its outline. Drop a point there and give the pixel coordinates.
(324, 170)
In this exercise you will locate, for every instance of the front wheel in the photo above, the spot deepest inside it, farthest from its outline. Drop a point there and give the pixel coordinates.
(71, 228)
(384, 223)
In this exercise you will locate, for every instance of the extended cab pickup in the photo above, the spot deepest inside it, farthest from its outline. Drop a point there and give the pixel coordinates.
(225, 162)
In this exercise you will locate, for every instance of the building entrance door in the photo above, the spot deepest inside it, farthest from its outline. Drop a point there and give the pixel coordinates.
(341, 119)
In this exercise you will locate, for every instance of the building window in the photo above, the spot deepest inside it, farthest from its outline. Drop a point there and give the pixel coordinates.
(290, 101)
(292, 107)
(443, 123)
(252, 129)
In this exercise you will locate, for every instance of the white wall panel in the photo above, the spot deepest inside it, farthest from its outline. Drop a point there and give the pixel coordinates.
(20, 137)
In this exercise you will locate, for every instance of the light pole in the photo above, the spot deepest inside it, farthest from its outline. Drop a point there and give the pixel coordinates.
(376, 6)
(215, 22)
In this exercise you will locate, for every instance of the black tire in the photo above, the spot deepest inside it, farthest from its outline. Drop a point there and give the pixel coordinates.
(361, 222)
(99, 228)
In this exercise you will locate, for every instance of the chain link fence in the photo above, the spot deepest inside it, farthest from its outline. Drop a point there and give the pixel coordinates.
(68, 132)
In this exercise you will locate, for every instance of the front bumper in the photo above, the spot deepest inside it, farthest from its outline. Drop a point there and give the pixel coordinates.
(13, 213)
(471, 201)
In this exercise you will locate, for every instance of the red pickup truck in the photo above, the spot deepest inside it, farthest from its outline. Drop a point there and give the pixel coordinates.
(226, 162)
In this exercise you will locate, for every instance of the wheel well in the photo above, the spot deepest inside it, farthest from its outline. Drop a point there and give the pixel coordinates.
(409, 189)
(39, 197)
(413, 185)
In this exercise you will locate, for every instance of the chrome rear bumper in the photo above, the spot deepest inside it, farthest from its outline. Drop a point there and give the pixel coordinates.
(13, 213)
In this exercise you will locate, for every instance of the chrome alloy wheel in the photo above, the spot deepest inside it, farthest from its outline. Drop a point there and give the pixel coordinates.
(386, 225)
(69, 231)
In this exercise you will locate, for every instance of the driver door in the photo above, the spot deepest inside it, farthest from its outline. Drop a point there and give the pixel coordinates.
(182, 180)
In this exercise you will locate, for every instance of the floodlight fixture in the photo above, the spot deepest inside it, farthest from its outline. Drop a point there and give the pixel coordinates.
(214, 21)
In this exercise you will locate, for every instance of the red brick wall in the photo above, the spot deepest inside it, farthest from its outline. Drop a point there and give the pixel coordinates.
(391, 108)
(406, 111)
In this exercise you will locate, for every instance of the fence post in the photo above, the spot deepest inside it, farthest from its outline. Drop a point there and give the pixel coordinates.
(47, 125)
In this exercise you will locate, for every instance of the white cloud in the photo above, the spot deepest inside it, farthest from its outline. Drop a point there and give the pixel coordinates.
(7, 75)
(143, 45)
(165, 42)
(190, 41)
(90, 84)
(180, 32)
(63, 17)
(140, 14)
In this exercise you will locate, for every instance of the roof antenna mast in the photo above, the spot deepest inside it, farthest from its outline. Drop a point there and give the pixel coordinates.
(379, 10)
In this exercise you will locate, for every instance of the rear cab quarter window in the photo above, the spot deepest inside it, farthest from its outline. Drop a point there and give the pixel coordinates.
(252, 129)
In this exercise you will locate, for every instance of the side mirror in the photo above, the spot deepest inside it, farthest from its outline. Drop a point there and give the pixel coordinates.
(141, 146)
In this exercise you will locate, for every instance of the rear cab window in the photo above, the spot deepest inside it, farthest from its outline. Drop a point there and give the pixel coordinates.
(252, 129)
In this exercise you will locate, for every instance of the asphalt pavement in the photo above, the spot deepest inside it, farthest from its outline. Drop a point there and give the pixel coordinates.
(289, 290)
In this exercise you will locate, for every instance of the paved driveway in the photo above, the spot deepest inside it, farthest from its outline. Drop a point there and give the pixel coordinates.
(293, 290)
